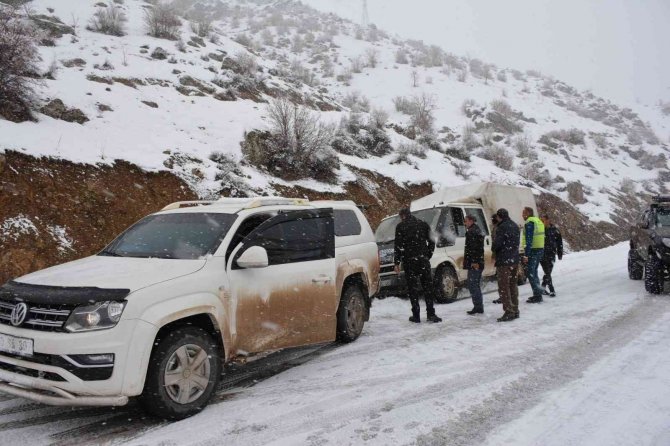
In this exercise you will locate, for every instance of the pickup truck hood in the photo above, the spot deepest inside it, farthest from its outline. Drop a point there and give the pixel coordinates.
(113, 272)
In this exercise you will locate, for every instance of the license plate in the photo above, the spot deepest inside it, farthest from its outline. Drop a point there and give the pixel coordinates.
(16, 346)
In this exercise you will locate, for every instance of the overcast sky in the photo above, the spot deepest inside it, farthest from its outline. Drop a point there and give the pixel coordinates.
(620, 49)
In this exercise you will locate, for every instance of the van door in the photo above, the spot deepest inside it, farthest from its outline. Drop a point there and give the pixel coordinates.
(293, 300)
(453, 237)
(482, 222)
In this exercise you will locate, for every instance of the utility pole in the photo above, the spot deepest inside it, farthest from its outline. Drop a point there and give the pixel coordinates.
(365, 19)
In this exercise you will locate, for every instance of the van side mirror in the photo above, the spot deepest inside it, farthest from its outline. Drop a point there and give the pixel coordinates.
(254, 257)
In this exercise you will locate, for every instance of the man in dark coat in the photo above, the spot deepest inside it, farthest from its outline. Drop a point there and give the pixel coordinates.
(553, 247)
(506, 249)
(414, 247)
(473, 262)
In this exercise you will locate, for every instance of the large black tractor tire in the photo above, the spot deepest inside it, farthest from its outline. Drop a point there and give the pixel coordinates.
(653, 278)
(635, 267)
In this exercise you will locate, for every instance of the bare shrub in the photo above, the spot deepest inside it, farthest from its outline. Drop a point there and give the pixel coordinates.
(356, 102)
(536, 173)
(247, 63)
(379, 117)
(469, 139)
(499, 155)
(357, 64)
(467, 105)
(403, 105)
(109, 20)
(361, 139)
(524, 147)
(162, 21)
(420, 108)
(414, 76)
(229, 174)
(412, 148)
(571, 136)
(463, 75)
(297, 146)
(503, 118)
(202, 27)
(462, 169)
(18, 58)
(401, 56)
(501, 76)
(600, 141)
(372, 57)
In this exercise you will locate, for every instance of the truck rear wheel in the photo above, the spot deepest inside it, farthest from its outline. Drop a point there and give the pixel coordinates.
(351, 314)
(183, 373)
(635, 268)
(446, 285)
(653, 278)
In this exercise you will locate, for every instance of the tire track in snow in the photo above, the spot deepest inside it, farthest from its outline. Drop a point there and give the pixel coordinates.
(474, 424)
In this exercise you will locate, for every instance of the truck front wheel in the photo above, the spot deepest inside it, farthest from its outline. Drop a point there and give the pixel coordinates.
(653, 278)
(183, 373)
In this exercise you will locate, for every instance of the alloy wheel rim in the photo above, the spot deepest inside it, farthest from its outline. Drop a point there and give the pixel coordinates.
(187, 374)
(448, 285)
(355, 315)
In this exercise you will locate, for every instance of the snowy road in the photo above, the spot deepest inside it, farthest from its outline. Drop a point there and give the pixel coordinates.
(589, 367)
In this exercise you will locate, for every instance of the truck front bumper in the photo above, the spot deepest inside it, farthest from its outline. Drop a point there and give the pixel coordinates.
(50, 376)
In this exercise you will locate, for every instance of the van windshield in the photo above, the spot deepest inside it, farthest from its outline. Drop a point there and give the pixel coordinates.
(172, 236)
(386, 231)
(663, 218)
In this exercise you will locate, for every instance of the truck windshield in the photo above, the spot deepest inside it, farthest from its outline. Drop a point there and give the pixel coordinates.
(386, 230)
(172, 236)
(663, 218)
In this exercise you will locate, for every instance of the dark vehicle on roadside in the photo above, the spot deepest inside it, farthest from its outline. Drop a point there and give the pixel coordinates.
(649, 255)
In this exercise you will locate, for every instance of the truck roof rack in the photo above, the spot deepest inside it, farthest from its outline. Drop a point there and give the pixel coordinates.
(243, 203)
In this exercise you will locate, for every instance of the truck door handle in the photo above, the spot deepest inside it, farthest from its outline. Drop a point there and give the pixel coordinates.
(321, 279)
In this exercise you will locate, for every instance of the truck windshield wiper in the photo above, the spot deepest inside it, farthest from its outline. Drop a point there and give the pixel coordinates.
(109, 253)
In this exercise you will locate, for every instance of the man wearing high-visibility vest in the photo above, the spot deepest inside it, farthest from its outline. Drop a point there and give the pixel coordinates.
(532, 241)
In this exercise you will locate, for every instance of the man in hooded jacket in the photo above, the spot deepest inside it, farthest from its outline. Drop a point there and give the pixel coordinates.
(506, 250)
(414, 247)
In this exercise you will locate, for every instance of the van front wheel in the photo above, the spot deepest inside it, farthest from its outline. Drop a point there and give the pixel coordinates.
(183, 373)
(446, 285)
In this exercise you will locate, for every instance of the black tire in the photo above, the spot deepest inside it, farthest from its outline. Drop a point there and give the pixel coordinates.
(635, 267)
(446, 285)
(351, 314)
(653, 277)
(522, 275)
(156, 397)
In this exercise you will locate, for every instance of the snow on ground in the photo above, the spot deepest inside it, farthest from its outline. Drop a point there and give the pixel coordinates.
(588, 367)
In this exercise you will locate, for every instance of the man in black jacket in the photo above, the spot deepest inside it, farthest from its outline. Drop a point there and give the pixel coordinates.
(506, 250)
(473, 261)
(553, 247)
(413, 249)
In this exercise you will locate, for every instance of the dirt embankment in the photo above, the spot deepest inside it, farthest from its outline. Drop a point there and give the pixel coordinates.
(53, 211)
(580, 233)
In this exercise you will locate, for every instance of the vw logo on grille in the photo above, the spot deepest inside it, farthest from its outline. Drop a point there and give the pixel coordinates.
(19, 314)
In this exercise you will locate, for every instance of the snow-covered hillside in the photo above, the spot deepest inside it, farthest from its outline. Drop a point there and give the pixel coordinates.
(171, 104)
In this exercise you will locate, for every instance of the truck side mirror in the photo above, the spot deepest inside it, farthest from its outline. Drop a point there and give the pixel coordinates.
(254, 257)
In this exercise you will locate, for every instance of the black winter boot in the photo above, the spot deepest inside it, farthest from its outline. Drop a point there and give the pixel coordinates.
(475, 311)
(434, 318)
(507, 317)
(415, 319)
(534, 300)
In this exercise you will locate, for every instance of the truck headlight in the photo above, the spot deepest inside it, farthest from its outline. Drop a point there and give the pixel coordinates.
(666, 242)
(98, 316)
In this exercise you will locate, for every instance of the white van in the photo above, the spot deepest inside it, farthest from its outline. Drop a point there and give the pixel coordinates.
(445, 212)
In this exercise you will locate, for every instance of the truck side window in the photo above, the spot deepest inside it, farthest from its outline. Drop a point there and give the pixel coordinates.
(458, 221)
(300, 240)
(479, 216)
(245, 229)
(346, 223)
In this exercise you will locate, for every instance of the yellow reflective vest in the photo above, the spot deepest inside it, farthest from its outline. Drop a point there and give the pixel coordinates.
(538, 234)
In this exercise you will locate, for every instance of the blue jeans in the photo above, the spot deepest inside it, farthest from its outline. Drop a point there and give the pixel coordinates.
(533, 263)
(474, 285)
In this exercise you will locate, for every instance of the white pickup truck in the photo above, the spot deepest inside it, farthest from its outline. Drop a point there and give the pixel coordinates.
(445, 212)
(158, 311)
